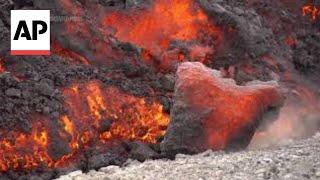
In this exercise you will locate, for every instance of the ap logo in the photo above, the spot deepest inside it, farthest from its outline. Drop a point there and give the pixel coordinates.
(30, 32)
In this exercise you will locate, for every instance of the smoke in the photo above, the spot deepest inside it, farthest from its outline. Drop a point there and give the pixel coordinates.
(298, 118)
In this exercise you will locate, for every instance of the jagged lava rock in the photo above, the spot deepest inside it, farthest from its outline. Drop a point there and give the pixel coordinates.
(212, 112)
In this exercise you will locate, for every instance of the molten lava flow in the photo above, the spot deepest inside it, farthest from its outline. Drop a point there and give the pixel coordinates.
(166, 22)
(97, 114)
(70, 55)
(111, 114)
(169, 31)
(134, 118)
(25, 150)
(312, 10)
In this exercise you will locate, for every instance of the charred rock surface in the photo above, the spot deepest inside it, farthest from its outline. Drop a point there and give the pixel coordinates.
(246, 37)
(294, 32)
(306, 56)
(210, 112)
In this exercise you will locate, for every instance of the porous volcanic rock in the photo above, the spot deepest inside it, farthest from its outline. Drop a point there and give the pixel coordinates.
(4, 35)
(212, 112)
(245, 34)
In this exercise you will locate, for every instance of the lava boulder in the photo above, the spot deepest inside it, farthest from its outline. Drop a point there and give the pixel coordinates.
(212, 112)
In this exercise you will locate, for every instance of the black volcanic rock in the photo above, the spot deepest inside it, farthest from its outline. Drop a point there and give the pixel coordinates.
(141, 151)
(4, 36)
(245, 35)
(104, 159)
(12, 92)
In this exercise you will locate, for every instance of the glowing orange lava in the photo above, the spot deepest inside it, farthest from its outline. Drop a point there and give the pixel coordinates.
(66, 53)
(312, 10)
(166, 21)
(167, 31)
(97, 114)
(1, 66)
(25, 151)
(129, 117)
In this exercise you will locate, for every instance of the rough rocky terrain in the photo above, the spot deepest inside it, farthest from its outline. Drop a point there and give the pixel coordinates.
(263, 40)
(294, 160)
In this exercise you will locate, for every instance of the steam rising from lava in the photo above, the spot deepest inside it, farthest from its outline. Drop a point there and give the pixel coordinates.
(300, 117)
(97, 115)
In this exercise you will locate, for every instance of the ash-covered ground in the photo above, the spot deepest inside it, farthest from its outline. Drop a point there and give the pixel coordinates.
(295, 160)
